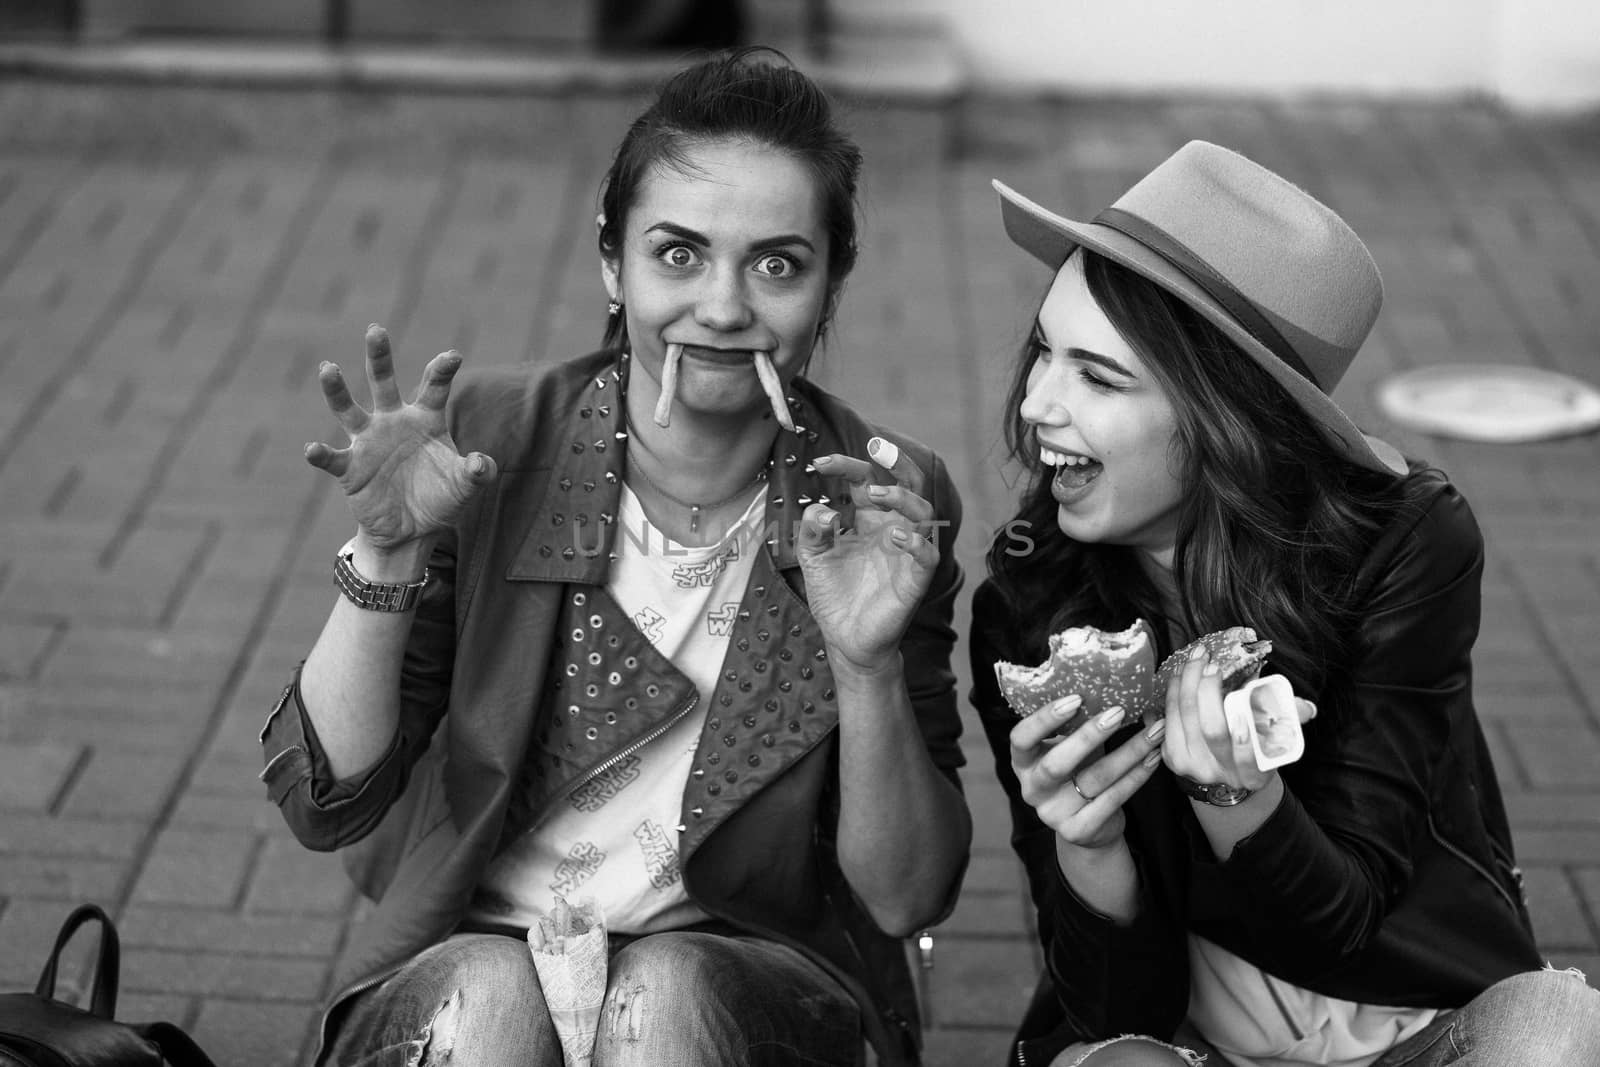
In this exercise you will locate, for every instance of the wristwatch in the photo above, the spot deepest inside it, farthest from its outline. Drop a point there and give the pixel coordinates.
(1220, 794)
(373, 596)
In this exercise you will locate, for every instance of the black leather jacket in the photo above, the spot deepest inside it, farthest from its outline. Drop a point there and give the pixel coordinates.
(1385, 875)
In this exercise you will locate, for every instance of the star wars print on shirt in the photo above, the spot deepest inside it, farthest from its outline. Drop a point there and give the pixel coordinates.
(615, 836)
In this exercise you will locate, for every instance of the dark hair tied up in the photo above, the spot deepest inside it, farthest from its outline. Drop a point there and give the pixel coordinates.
(747, 94)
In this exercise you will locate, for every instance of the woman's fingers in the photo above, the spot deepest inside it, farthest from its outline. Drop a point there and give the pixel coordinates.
(866, 491)
(352, 416)
(896, 498)
(1213, 721)
(380, 370)
(333, 460)
(1034, 730)
(1135, 771)
(886, 454)
(1099, 777)
(819, 525)
(434, 389)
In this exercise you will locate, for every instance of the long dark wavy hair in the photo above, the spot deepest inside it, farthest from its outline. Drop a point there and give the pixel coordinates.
(745, 94)
(1271, 534)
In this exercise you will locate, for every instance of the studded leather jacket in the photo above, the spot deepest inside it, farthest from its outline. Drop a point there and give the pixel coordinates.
(1384, 876)
(523, 679)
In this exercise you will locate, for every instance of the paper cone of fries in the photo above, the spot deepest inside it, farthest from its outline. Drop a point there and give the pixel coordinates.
(570, 957)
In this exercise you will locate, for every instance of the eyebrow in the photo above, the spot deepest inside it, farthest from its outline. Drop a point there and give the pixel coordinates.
(778, 241)
(1083, 354)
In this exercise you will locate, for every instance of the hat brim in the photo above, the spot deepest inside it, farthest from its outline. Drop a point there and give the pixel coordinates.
(1051, 239)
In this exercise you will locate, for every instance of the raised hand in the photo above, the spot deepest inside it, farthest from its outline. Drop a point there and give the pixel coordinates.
(863, 584)
(1203, 744)
(401, 473)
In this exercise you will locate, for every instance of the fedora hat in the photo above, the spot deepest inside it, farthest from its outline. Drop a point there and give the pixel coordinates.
(1261, 259)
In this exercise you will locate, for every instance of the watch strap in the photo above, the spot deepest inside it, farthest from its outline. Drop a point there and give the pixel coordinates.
(369, 595)
(1219, 794)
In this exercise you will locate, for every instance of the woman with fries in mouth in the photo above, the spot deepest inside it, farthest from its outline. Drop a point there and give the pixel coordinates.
(666, 628)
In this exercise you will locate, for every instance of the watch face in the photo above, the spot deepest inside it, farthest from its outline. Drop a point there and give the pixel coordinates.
(1225, 795)
(1219, 794)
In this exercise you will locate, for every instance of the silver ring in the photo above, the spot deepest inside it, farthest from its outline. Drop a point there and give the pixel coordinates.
(1086, 797)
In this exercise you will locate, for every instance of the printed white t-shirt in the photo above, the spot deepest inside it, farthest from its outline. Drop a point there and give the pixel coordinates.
(615, 837)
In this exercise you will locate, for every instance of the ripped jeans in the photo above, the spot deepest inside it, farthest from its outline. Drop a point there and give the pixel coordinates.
(681, 997)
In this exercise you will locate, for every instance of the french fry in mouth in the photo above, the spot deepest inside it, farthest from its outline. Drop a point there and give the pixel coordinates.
(669, 385)
(774, 388)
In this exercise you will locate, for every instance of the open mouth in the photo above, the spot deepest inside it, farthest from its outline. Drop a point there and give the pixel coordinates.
(1073, 470)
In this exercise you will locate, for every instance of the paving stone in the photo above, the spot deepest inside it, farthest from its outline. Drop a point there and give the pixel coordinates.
(32, 775)
(122, 785)
(292, 879)
(36, 834)
(28, 931)
(1559, 917)
(1537, 844)
(24, 643)
(68, 878)
(201, 868)
(263, 978)
(981, 983)
(245, 1031)
(170, 927)
(1557, 756)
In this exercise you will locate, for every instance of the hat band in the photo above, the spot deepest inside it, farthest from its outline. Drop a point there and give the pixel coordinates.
(1215, 286)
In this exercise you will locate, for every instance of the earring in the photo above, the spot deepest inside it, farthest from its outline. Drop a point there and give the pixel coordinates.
(613, 309)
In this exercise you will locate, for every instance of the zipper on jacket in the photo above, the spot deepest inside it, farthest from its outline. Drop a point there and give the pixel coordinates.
(1455, 851)
(1266, 980)
(618, 756)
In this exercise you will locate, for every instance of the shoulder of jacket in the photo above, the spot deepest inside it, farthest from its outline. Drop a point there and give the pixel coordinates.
(1432, 540)
(506, 410)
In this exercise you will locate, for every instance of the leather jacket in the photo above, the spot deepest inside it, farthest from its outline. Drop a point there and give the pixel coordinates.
(1385, 875)
(523, 679)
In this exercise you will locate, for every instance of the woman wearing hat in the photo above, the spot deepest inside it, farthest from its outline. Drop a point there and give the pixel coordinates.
(1361, 905)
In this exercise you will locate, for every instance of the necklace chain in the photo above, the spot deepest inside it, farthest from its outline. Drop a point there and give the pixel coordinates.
(693, 508)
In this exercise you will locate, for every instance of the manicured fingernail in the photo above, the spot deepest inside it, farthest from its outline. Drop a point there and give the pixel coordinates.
(1197, 653)
(1209, 669)
(877, 492)
(1153, 758)
(1068, 705)
(827, 518)
(900, 536)
(823, 461)
(885, 453)
(1157, 728)
(1109, 718)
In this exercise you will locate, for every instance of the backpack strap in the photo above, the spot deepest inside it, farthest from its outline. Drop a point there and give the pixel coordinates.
(104, 1001)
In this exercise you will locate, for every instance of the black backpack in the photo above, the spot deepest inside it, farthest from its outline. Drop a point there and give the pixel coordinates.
(36, 1030)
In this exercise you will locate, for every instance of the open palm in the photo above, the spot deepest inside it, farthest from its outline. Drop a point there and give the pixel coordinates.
(401, 473)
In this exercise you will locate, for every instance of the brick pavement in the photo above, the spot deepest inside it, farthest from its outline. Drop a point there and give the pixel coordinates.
(175, 261)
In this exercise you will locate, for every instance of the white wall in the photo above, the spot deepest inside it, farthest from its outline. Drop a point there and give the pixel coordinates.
(1533, 52)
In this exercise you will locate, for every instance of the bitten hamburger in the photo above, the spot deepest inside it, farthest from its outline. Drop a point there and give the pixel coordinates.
(1103, 668)
(1107, 668)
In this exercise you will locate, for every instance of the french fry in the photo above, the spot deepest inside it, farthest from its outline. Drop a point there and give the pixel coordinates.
(774, 389)
(669, 385)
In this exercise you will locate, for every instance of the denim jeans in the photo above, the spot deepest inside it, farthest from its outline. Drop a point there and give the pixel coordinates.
(1538, 1019)
(683, 997)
